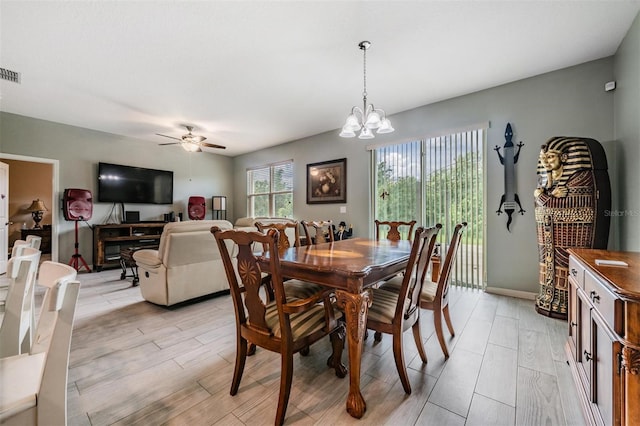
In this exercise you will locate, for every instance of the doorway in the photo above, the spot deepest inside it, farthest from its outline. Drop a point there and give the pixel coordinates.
(32, 178)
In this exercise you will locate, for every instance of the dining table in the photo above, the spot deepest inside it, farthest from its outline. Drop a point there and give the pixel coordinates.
(351, 267)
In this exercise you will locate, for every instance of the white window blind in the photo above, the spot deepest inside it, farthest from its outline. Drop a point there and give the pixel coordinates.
(270, 190)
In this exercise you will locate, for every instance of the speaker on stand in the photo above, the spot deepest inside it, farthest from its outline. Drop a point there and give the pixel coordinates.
(196, 208)
(77, 205)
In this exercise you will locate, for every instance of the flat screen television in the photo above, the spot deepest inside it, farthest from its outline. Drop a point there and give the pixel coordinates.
(126, 184)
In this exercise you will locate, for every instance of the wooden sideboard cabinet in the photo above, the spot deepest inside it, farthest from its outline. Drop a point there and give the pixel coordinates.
(109, 240)
(604, 335)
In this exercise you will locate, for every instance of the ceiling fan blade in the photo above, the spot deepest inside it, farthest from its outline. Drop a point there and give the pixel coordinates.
(170, 143)
(211, 145)
(170, 137)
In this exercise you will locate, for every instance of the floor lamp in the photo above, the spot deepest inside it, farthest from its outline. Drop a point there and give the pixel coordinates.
(219, 207)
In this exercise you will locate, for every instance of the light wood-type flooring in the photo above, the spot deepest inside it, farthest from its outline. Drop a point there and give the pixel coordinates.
(134, 363)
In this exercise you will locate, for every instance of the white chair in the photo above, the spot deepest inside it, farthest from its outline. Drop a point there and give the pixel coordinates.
(19, 318)
(18, 245)
(38, 380)
(50, 274)
(32, 241)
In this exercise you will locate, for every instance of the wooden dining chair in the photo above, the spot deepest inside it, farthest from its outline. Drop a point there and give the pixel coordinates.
(295, 288)
(395, 312)
(435, 295)
(394, 229)
(285, 229)
(286, 325)
(38, 380)
(322, 231)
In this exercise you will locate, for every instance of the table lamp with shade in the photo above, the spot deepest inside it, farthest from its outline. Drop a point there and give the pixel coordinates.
(37, 208)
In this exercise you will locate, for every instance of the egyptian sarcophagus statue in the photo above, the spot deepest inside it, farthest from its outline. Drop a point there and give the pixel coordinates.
(572, 203)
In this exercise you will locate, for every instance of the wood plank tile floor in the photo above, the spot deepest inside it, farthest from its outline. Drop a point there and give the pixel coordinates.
(136, 363)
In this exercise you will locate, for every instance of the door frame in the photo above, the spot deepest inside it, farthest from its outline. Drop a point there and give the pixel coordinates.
(55, 208)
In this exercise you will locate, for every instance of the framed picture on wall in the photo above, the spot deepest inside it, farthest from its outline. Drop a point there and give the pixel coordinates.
(327, 182)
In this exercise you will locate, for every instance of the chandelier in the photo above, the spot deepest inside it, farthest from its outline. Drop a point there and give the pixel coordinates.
(368, 118)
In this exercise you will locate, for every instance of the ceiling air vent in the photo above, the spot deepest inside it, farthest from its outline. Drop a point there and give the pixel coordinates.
(9, 75)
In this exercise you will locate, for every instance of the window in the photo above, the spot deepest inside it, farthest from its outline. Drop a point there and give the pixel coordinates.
(437, 180)
(270, 190)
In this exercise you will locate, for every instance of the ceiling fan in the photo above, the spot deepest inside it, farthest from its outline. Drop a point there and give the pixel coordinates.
(191, 142)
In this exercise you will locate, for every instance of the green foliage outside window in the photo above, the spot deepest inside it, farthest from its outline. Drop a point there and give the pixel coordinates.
(271, 190)
(451, 194)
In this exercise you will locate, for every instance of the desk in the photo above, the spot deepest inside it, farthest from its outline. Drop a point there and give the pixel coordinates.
(350, 267)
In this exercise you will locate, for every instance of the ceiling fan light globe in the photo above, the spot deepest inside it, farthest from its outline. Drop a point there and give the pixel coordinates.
(190, 147)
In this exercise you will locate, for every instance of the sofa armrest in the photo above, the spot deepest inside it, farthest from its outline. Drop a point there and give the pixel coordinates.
(147, 258)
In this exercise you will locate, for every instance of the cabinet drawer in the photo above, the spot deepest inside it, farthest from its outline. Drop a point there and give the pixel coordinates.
(604, 302)
(576, 271)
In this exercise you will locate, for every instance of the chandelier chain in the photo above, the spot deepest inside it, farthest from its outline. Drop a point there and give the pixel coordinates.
(364, 93)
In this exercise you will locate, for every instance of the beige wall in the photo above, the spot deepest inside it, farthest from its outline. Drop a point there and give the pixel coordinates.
(27, 182)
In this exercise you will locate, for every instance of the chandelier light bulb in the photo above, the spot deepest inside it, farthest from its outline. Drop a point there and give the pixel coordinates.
(366, 133)
(368, 118)
(373, 120)
(385, 127)
(352, 123)
(347, 133)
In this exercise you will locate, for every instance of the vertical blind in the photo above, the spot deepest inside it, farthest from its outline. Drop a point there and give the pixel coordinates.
(437, 180)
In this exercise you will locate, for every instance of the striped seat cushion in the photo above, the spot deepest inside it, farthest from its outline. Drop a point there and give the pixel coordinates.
(383, 307)
(301, 289)
(429, 288)
(302, 324)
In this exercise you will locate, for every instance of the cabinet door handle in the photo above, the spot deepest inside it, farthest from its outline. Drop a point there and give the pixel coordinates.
(594, 296)
(587, 356)
(574, 272)
(573, 324)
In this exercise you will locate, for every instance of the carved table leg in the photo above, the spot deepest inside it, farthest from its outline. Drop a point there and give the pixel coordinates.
(355, 307)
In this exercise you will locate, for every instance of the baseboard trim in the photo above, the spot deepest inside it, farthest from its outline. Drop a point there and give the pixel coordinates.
(511, 293)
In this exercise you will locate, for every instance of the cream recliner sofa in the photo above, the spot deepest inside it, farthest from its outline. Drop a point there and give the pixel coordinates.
(186, 265)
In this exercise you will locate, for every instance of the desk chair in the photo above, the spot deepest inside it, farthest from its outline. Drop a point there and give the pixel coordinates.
(393, 229)
(285, 325)
(394, 312)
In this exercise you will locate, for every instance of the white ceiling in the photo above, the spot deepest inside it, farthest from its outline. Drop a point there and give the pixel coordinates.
(249, 75)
